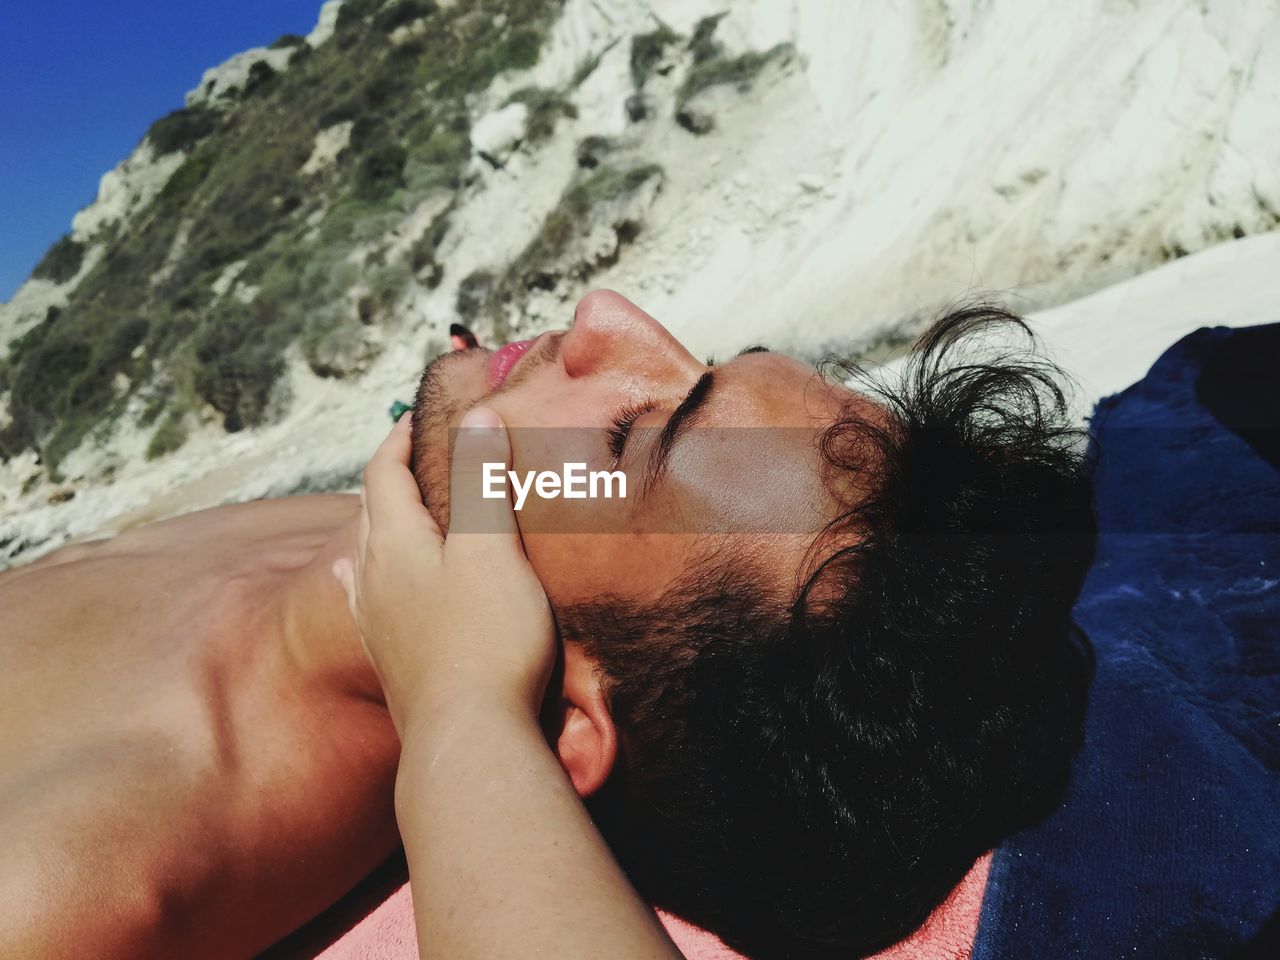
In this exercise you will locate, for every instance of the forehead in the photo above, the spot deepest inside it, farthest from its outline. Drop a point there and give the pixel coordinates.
(751, 464)
(770, 389)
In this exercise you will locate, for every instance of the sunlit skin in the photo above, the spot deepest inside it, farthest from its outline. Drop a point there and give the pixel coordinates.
(194, 755)
(616, 357)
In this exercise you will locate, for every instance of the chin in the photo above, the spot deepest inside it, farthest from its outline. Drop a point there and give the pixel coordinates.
(451, 385)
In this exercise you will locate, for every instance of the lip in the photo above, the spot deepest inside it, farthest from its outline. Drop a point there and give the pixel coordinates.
(504, 360)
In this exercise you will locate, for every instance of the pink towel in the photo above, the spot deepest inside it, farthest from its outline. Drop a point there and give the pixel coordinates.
(387, 932)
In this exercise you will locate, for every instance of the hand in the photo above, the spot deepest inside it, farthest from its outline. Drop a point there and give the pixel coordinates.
(447, 620)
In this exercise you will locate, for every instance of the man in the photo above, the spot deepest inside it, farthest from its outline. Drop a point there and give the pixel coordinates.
(807, 679)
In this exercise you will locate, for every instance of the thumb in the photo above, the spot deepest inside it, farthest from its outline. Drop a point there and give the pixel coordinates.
(479, 502)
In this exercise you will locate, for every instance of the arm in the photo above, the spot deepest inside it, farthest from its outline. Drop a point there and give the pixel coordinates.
(503, 858)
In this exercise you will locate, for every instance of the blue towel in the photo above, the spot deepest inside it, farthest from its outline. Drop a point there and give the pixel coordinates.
(1168, 843)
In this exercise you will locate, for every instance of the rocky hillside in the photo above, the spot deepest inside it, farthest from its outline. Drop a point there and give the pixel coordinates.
(276, 260)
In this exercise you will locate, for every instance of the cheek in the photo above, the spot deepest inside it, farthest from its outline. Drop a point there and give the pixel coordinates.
(550, 448)
(551, 401)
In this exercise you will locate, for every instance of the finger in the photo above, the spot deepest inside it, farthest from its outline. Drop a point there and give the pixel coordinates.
(460, 338)
(478, 492)
(391, 493)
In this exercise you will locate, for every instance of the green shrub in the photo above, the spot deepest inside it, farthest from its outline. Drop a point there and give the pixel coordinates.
(646, 50)
(386, 284)
(169, 436)
(288, 40)
(474, 293)
(182, 129)
(592, 150)
(261, 74)
(703, 42)
(326, 279)
(422, 255)
(42, 379)
(184, 181)
(341, 112)
(367, 132)
(155, 406)
(238, 360)
(61, 261)
(739, 71)
(447, 148)
(517, 49)
(381, 172)
(587, 66)
(385, 89)
(354, 12)
(545, 108)
(566, 221)
(334, 345)
(62, 389)
(399, 14)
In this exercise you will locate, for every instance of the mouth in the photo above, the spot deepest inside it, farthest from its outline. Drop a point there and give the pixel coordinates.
(500, 362)
(504, 360)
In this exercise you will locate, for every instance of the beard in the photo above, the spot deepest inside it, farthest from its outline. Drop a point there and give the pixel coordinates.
(451, 385)
(435, 410)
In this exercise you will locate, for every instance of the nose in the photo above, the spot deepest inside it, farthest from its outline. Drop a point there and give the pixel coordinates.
(612, 334)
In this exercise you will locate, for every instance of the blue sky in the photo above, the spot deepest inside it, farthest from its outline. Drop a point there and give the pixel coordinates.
(81, 81)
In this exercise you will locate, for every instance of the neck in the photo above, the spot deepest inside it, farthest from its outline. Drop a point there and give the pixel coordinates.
(321, 642)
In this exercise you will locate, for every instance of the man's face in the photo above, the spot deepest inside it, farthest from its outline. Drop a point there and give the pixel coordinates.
(618, 375)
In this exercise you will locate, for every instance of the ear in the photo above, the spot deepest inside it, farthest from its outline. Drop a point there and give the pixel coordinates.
(581, 730)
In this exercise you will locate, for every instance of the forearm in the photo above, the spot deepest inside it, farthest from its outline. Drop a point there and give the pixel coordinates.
(503, 858)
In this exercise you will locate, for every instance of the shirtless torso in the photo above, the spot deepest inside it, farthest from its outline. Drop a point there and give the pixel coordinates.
(194, 756)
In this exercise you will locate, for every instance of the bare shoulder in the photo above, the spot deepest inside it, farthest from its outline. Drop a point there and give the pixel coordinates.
(216, 530)
(256, 519)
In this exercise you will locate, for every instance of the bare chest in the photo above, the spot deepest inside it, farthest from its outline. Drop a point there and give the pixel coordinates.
(155, 772)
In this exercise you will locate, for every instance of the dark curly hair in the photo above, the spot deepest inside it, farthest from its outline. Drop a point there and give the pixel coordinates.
(811, 778)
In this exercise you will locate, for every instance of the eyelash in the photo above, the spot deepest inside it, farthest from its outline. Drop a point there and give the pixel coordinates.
(620, 429)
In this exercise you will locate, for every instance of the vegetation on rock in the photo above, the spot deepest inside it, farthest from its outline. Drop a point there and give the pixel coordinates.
(199, 296)
(647, 50)
(182, 129)
(605, 196)
(61, 261)
(296, 247)
(713, 67)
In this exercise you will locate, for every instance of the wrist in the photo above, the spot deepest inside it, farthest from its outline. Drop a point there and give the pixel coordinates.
(427, 714)
(435, 735)
(465, 743)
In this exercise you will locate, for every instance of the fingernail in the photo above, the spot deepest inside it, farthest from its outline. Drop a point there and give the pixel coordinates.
(481, 418)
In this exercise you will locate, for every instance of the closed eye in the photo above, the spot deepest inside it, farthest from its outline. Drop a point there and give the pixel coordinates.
(620, 428)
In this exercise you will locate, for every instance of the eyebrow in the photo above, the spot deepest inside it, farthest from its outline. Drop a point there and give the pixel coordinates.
(682, 418)
(754, 348)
